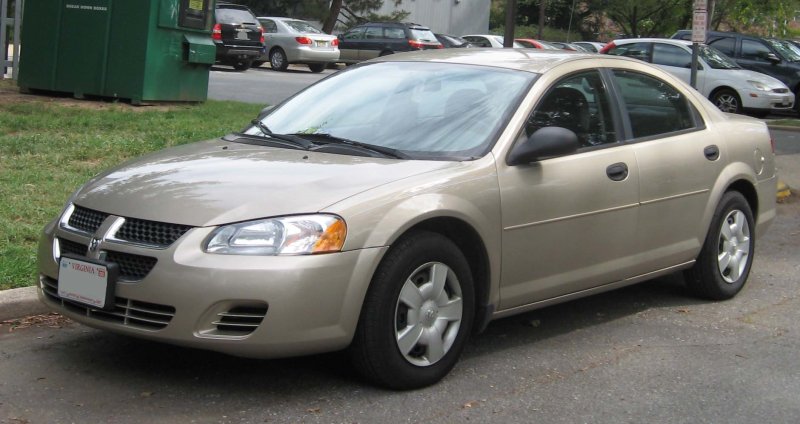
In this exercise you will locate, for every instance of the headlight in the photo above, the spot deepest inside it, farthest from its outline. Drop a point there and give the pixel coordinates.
(759, 86)
(290, 235)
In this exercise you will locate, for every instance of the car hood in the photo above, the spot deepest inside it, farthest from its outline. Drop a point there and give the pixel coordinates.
(217, 182)
(744, 75)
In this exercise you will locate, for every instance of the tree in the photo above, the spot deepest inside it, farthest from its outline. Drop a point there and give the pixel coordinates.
(639, 18)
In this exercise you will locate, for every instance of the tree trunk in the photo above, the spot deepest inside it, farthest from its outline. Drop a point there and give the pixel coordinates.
(330, 21)
(511, 18)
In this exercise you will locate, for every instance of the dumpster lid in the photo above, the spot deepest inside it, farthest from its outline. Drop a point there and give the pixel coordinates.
(198, 39)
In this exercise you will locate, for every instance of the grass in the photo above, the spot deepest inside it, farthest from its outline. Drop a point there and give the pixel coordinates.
(49, 148)
(785, 122)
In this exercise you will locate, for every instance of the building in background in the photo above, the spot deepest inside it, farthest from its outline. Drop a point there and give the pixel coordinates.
(457, 17)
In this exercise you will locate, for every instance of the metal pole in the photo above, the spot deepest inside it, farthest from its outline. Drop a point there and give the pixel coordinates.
(511, 16)
(571, 13)
(693, 78)
(542, 7)
(3, 35)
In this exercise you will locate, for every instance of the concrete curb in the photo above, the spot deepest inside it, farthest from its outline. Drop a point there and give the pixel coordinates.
(783, 191)
(18, 303)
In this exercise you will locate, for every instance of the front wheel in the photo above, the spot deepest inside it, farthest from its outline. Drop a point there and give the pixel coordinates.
(727, 101)
(317, 67)
(417, 314)
(723, 265)
(242, 66)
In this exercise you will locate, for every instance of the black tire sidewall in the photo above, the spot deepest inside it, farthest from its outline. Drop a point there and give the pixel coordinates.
(709, 279)
(377, 325)
(284, 63)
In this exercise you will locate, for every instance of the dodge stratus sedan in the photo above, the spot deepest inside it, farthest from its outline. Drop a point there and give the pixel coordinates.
(397, 207)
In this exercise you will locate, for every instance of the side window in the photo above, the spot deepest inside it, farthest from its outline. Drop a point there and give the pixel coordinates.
(373, 32)
(354, 34)
(269, 26)
(478, 41)
(394, 33)
(669, 55)
(579, 103)
(639, 51)
(726, 45)
(754, 50)
(654, 107)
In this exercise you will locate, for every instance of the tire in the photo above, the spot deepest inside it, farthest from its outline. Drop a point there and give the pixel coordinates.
(727, 100)
(242, 66)
(277, 59)
(258, 63)
(723, 265)
(797, 101)
(317, 67)
(412, 330)
(385, 53)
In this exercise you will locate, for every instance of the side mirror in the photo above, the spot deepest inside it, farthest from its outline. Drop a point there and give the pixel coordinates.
(772, 57)
(545, 143)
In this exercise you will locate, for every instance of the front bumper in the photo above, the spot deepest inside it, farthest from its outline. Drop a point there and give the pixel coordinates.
(310, 303)
(767, 101)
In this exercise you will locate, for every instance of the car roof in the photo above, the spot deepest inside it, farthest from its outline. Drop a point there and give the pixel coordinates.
(530, 60)
(652, 40)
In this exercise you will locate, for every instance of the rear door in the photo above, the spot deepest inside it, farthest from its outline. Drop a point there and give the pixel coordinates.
(372, 44)
(350, 43)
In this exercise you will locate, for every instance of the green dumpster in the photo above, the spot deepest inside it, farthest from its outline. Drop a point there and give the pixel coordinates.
(142, 50)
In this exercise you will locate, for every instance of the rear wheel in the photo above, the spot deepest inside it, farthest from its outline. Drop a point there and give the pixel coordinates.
(258, 63)
(317, 67)
(277, 59)
(724, 262)
(727, 101)
(417, 314)
(242, 66)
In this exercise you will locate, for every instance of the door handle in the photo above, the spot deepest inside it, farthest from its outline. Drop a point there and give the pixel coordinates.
(711, 152)
(617, 171)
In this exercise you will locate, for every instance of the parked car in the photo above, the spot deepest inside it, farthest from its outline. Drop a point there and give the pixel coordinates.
(452, 41)
(766, 55)
(394, 209)
(719, 78)
(488, 40)
(535, 44)
(295, 41)
(375, 39)
(590, 46)
(238, 36)
(568, 46)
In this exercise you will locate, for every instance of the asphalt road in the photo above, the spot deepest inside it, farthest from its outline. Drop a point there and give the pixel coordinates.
(647, 353)
(260, 85)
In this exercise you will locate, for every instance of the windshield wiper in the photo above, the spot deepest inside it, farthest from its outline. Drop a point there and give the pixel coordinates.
(332, 139)
(292, 139)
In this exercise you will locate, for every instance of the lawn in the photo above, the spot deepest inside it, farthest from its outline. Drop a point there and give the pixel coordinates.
(49, 147)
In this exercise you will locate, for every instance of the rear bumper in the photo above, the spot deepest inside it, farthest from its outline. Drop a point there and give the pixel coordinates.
(234, 53)
(310, 55)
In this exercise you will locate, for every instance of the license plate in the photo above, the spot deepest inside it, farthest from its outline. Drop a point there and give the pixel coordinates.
(86, 282)
(322, 44)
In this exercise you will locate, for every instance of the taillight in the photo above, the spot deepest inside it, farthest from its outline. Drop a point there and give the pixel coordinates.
(303, 40)
(416, 44)
(607, 47)
(216, 32)
(261, 30)
(335, 42)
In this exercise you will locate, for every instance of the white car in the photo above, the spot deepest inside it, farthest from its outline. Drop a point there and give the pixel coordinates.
(731, 88)
(290, 41)
(489, 40)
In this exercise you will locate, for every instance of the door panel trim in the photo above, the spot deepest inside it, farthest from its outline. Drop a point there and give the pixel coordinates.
(677, 196)
(564, 218)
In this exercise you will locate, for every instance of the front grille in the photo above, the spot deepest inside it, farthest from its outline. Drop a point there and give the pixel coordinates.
(86, 219)
(131, 267)
(780, 90)
(72, 247)
(126, 312)
(150, 232)
(240, 320)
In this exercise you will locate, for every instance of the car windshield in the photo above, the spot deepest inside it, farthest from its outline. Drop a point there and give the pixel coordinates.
(715, 58)
(785, 49)
(302, 26)
(424, 110)
(421, 34)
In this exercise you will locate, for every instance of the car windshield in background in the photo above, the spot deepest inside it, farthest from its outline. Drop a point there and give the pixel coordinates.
(785, 49)
(302, 26)
(424, 110)
(235, 16)
(423, 34)
(716, 59)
